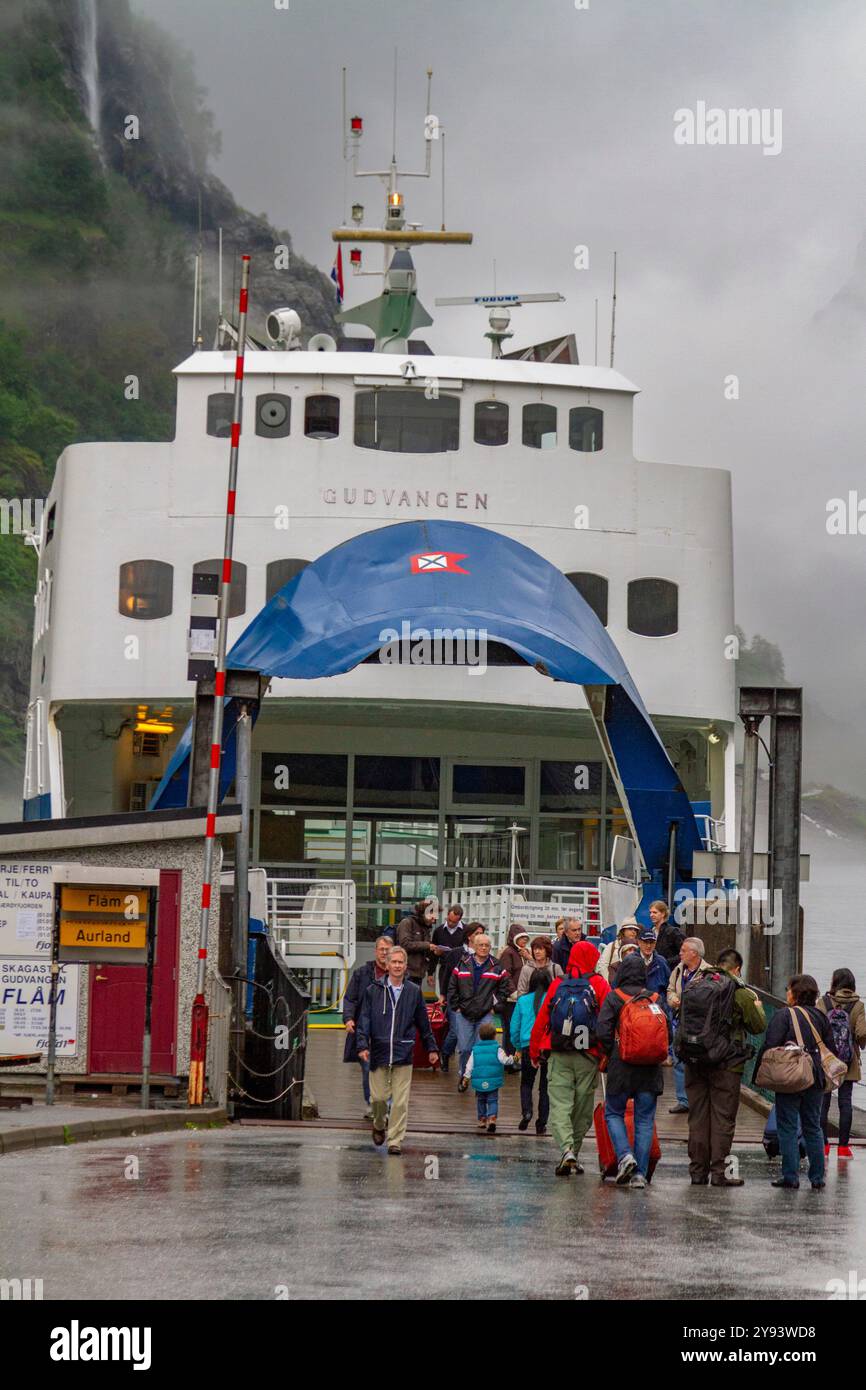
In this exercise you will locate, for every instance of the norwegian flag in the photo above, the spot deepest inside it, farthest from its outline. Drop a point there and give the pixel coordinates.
(337, 273)
(438, 562)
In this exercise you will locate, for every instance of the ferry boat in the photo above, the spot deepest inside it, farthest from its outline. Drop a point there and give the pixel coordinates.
(408, 779)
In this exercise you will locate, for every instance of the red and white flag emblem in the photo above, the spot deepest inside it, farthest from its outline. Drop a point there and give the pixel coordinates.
(438, 562)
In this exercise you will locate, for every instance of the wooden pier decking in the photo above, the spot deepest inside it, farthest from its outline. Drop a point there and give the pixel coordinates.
(437, 1107)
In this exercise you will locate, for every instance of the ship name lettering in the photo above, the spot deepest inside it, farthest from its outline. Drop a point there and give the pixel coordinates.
(423, 499)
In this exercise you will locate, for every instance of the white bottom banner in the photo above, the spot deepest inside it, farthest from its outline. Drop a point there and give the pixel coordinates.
(24, 991)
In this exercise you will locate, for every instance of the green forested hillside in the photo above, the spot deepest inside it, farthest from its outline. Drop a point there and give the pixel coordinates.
(97, 237)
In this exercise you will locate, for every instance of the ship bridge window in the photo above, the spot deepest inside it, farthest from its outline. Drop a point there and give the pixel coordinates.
(653, 607)
(593, 588)
(539, 426)
(273, 416)
(145, 589)
(220, 407)
(491, 422)
(238, 595)
(322, 417)
(402, 420)
(279, 572)
(586, 429)
(50, 522)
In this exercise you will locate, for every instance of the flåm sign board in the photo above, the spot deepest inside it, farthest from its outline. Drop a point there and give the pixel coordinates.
(103, 922)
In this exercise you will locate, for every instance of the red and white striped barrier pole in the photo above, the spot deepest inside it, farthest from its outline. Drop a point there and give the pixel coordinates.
(198, 1037)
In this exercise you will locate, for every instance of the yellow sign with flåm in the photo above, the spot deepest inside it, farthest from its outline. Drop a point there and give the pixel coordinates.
(129, 903)
(103, 922)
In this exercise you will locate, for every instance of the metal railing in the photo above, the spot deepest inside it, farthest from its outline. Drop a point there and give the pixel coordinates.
(312, 922)
(712, 832)
(269, 1079)
(326, 987)
(219, 1002)
(537, 906)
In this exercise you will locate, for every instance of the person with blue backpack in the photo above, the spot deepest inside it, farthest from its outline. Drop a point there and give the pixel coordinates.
(522, 1020)
(847, 1018)
(486, 1070)
(564, 1032)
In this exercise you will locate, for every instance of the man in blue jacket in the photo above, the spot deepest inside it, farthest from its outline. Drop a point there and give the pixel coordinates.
(392, 1014)
(362, 976)
(572, 933)
(658, 972)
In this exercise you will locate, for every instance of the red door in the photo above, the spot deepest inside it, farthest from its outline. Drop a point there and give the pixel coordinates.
(117, 998)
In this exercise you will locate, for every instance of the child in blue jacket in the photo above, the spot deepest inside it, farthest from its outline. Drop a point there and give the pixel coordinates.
(486, 1070)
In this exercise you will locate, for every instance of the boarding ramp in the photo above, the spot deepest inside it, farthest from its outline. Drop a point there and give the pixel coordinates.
(312, 923)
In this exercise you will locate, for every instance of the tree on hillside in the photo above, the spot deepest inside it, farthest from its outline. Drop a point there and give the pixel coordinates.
(760, 662)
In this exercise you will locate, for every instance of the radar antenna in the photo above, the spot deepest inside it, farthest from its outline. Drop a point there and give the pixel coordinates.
(500, 306)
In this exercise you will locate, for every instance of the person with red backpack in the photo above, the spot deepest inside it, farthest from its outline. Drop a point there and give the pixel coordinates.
(565, 1032)
(634, 1028)
(847, 1017)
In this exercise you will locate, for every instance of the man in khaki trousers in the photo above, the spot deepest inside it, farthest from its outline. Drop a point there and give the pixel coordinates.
(392, 1015)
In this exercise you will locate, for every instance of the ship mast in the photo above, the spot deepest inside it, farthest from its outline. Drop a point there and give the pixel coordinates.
(395, 313)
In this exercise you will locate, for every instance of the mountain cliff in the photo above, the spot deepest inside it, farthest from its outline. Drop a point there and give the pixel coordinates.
(105, 139)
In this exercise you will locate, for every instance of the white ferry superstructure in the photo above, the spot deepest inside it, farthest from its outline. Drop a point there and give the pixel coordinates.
(406, 778)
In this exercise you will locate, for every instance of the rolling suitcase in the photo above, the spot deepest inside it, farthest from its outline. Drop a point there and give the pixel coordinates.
(439, 1024)
(606, 1155)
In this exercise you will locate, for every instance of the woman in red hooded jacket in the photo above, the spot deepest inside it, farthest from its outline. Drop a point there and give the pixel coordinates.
(573, 1057)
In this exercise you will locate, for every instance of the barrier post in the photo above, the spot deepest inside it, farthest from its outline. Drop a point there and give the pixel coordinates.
(198, 1032)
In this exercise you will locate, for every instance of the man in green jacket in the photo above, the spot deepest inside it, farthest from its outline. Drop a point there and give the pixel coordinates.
(713, 1088)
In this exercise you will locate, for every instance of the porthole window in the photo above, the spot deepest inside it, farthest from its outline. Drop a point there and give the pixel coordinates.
(586, 429)
(322, 417)
(491, 422)
(653, 607)
(273, 416)
(539, 426)
(593, 588)
(238, 597)
(279, 572)
(145, 589)
(404, 421)
(220, 407)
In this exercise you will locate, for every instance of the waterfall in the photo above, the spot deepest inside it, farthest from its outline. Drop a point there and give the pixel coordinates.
(90, 62)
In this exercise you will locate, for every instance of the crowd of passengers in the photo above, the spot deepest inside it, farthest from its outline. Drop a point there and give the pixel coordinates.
(563, 1015)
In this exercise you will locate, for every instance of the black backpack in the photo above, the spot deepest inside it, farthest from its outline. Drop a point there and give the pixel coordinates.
(704, 1033)
(839, 1019)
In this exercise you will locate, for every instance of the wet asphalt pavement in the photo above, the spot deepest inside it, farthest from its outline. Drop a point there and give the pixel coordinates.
(246, 1213)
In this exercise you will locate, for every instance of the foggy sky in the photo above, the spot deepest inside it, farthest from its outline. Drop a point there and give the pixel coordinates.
(560, 132)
